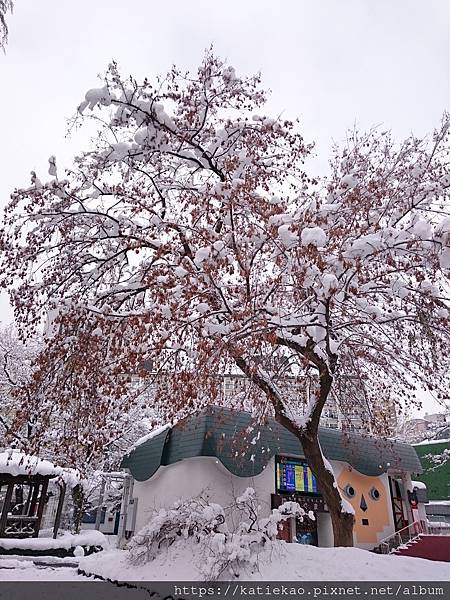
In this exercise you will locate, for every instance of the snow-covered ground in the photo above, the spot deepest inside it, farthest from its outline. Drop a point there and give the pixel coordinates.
(48, 568)
(18, 570)
(66, 540)
(284, 562)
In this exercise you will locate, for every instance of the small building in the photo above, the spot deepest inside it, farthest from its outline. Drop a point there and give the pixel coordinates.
(221, 452)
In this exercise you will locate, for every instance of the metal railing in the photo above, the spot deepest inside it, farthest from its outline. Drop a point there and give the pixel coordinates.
(438, 528)
(410, 533)
(402, 537)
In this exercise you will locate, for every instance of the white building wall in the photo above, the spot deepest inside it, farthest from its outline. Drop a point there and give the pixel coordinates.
(206, 475)
(199, 475)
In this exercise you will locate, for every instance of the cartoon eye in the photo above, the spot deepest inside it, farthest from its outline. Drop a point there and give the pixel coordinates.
(374, 493)
(349, 491)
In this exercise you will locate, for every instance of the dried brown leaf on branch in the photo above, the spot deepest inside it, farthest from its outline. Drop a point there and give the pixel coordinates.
(189, 235)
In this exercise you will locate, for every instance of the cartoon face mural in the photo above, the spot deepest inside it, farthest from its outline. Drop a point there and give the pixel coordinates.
(370, 499)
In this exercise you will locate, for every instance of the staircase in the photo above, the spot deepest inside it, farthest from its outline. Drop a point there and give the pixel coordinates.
(401, 537)
(420, 540)
(432, 547)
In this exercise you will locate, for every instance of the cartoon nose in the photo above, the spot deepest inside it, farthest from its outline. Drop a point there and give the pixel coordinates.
(362, 504)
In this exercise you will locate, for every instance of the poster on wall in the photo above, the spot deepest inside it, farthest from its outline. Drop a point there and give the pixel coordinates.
(293, 476)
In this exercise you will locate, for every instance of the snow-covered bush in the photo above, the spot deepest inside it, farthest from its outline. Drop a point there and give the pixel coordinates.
(195, 518)
(205, 524)
(437, 460)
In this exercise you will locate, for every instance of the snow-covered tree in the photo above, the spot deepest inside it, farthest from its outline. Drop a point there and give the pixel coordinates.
(5, 6)
(437, 430)
(16, 360)
(430, 427)
(22, 420)
(190, 235)
(440, 429)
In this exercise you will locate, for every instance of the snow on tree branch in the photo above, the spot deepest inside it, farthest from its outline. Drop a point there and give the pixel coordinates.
(190, 235)
(5, 6)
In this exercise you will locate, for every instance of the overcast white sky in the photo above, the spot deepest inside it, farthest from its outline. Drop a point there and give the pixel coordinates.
(333, 63)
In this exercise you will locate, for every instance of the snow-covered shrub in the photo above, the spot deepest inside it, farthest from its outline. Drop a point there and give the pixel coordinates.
(203, 523)
(437, 460)
(195, 518)
(240, 549)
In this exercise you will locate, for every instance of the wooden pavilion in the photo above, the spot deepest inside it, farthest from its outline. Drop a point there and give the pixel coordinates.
(24, 482)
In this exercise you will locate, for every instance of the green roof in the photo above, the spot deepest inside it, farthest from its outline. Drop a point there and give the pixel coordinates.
(245, 447)
(436, 478)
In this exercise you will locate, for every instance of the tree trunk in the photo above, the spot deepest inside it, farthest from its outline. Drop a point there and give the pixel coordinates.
(308, 436)
(342, 522)
(79, 502)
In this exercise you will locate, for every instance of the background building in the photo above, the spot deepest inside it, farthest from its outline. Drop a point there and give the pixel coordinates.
(344, 410)
(434, 426)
